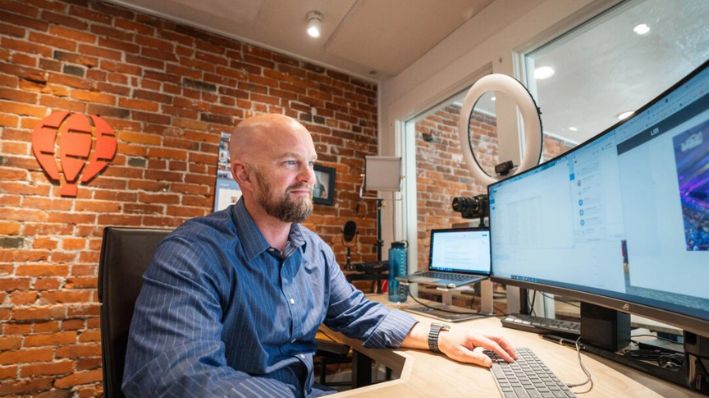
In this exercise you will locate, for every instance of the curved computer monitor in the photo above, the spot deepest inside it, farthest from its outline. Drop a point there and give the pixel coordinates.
(621, 221)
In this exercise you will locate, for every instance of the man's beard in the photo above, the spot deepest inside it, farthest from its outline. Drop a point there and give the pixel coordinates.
(283, 208)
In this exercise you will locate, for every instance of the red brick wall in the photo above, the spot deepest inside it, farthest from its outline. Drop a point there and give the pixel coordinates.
(441, 171)
(168, 91)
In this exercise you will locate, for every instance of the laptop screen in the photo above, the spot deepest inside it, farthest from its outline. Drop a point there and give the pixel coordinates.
(464, 250)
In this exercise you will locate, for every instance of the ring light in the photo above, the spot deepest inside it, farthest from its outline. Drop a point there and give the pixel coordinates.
(532, 122)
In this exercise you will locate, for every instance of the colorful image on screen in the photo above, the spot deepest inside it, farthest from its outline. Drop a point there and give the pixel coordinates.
(691, 149)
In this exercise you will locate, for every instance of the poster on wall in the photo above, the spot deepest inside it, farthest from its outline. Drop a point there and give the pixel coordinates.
(227, 191)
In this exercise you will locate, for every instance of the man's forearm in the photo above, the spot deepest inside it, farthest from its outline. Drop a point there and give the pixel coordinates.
(417, 337)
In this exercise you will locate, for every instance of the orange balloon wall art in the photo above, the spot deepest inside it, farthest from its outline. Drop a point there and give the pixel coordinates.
(73, 148)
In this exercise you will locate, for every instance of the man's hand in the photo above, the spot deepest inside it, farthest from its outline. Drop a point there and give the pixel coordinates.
(466, 346)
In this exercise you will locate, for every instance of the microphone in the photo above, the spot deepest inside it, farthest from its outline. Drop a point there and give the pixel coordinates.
(349, 231)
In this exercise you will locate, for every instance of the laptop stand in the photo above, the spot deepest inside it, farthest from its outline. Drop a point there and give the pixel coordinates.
(447, 312)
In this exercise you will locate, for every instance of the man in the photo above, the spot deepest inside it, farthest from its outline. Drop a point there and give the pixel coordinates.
(231, 302)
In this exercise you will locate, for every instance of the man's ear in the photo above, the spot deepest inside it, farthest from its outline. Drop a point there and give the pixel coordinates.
(241, 174)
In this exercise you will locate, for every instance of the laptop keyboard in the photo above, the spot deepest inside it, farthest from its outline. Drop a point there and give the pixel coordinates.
(528, 376)
(444, 275)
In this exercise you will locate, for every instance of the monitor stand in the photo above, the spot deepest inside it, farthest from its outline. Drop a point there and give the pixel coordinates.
(606, 333)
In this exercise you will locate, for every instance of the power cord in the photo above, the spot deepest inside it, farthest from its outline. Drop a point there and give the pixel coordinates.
(585, 371)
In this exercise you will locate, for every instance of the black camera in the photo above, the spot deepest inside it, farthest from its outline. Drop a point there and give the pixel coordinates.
(472, 206)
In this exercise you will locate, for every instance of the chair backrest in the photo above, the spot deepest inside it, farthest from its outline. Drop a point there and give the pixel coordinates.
(125, 255)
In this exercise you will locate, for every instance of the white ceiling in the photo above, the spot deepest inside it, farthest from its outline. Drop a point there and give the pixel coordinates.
(377, 39)
(374, 39)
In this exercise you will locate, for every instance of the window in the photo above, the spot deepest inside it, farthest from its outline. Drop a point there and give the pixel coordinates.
(587, 79)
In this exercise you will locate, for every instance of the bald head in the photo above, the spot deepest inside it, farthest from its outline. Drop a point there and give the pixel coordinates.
(272, 159)
(259, 134)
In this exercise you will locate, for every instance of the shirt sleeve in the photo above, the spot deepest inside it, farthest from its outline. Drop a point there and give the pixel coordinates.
(174, 346)
(352, 314)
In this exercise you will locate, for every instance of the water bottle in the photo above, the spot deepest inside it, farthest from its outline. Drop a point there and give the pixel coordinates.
(397, 267)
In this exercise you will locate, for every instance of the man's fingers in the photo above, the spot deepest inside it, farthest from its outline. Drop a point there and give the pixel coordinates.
(505, 344)
(493, 346)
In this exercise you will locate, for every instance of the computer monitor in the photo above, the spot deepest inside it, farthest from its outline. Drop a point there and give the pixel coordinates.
(621, 221)
(464, 250)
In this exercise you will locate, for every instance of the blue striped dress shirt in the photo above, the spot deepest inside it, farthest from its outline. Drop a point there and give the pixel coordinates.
(223, 314)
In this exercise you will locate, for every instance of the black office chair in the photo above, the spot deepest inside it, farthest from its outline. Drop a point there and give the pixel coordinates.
(125, 255)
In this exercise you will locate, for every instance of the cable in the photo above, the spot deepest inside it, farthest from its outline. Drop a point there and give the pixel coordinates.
(534, 297)
(670, 361)
(585, 371)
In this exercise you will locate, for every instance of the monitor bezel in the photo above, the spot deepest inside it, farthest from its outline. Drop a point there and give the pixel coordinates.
(689, 323)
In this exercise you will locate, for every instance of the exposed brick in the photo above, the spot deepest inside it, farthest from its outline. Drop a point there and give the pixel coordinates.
(33, 355)
(23, 19)
(52, 41)
(41, 270)
(46, 327)
(93, 96)
(72, 34)
(11, 242)
(53, 339)
(79, 378)
(26, 386)
(198, 85)
(99, 52)
(10, 342)
(138, 104)
(66, 296)
(80, 350)
(64, 20)
(8, 372)
(109, 111)
(56, 368)
(22, 109)
(17, 95)
(74, 70)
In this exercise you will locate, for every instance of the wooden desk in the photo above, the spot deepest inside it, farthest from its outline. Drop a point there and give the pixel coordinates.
(423, 374)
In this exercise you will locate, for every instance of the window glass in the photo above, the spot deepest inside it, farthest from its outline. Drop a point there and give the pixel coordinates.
(589, 78)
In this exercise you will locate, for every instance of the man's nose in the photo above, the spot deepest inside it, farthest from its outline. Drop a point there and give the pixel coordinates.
(307, 174)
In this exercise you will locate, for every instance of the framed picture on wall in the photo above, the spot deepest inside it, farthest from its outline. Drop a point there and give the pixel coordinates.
(324, 189)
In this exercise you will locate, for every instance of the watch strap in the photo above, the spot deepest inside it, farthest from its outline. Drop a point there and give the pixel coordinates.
(433, 334)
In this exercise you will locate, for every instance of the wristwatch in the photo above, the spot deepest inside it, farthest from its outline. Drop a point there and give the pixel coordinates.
(433, 335)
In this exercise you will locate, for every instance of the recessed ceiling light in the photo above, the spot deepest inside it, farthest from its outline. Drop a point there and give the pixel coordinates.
(543, 72)
(625, 115)
(314, 19)
(641, 29)
(572, 128)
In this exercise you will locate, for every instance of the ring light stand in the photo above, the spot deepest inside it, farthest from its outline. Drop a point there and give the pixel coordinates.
(530, 157)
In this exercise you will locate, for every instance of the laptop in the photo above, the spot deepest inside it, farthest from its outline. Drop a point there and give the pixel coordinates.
(458, 257)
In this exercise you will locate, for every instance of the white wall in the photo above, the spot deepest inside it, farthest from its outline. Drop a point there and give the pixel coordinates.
(491, 41)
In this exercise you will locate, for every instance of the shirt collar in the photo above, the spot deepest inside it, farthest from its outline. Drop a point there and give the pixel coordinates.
(251, 237)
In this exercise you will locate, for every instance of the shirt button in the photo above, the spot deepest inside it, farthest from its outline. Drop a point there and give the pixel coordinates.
(292, 301)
